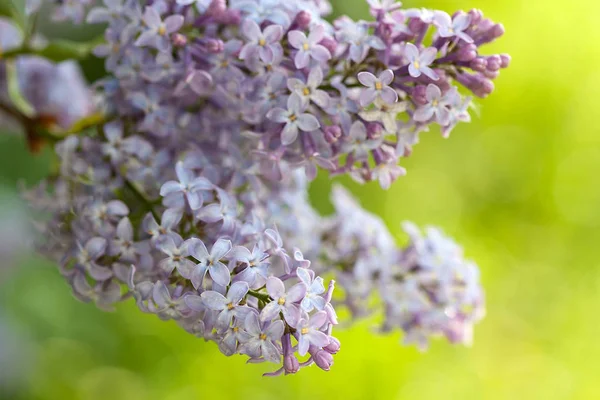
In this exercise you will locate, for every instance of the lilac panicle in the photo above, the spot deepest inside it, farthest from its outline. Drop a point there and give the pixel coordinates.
(183, 174)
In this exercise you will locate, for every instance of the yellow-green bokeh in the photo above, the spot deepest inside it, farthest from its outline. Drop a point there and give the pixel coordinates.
(518, 187)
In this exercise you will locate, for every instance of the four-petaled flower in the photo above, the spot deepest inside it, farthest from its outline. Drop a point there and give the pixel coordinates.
(263, 338)
(309, 46)
(385, 113)
(419, 61)
(210, 262)
(436, 105)
(315, 288)
(377, 86)
(228, 306)
(264, 43)
(450, 27)
(188, 188)
(177, 253)
(310, 90)
(309, 333)
(283, 302)
(158, 31)
(294, 119)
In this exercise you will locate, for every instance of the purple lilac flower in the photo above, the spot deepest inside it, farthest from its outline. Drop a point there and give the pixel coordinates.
(283, 301)
(185, 191)
(453, 27)
(309, 332)
(419, 61)
(294, 118)
(205, 136)
(210, 262)
(257, 268)
(263, 338)
(263, 44)
(309, 47)
(436, 106)
(177, 253)
(377, 87)
(228, 307)
(310, 90)
(355, 36)
(315, 286)
(168, 222)
(157, 33)
(358, 142)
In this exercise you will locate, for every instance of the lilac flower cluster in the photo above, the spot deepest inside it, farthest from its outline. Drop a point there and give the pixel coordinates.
(427, 288)
(190, 193)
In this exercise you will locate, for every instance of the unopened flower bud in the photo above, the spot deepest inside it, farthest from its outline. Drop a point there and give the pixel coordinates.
(334, 345)
(323, 359)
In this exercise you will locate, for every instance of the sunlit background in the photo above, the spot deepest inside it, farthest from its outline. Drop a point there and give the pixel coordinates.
(518, 187)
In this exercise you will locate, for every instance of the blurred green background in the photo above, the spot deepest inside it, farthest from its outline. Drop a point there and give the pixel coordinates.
(517, 187)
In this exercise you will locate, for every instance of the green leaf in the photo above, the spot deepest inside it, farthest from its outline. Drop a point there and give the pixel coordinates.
(10, 9)
(58, 50)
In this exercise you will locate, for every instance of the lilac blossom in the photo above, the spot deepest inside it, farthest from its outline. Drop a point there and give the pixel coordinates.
(309, 332)
(377, 87)
(294, 118)
(157, 33)
(186, 190)
(210, 262)
(205, 133)
(419, 61)
(228, 307)
(309, 47)
(263, 338)
(283, 301)
(453, 27)
(263, 44)
(315, 286)
(436, 106)
(177, 253)
(310, 90)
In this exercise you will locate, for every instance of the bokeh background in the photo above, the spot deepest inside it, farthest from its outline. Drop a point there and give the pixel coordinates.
(518, 187)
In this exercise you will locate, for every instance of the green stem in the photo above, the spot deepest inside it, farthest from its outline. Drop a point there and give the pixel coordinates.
(142, 197)
(261, 296)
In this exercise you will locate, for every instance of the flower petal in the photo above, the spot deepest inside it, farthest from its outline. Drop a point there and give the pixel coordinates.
(237, 291)
(219, 273)
(214, 300)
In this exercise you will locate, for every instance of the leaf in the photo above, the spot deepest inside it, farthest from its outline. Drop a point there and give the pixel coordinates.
(62, 50)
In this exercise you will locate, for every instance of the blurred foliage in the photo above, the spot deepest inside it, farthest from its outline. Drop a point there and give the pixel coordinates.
(516, 187)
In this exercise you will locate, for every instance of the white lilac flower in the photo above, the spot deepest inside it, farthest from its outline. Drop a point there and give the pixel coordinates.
(283, 301)
(309, 47)
(419, 61)
(210, 262)
(263, 338)
(264, 44)
(295, 119)
(377, 86)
